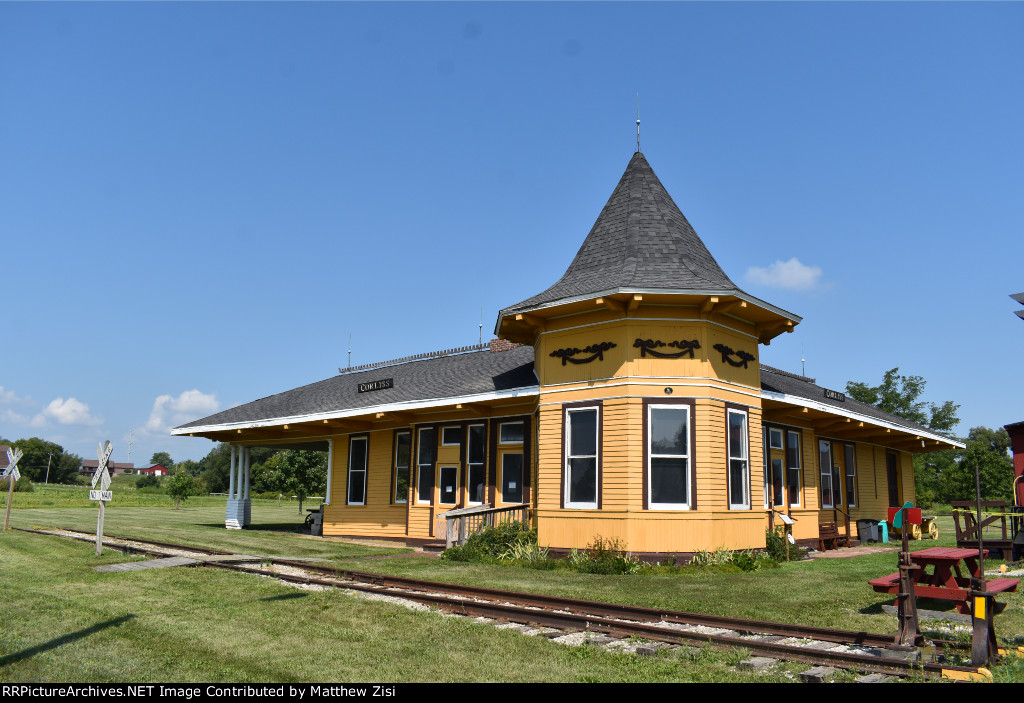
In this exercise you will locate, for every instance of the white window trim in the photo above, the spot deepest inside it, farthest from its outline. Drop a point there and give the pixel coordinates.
(440, 484)
(363, 471)
(451, 444)
(501, 426)
(470, 465)
(745, 458)
(567, 483)
(772, 431)
(650, 456)
(394, 464)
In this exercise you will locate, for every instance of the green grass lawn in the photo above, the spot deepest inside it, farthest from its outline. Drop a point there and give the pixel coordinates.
(275, 530)
(62, 621)
(65, 622)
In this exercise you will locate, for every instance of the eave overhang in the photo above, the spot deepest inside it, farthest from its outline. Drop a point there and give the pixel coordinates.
(525, 328)
(356, 413)
(911, 433)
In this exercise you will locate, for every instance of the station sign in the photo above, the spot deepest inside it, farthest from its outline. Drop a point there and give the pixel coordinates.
(101, 495)
(382, 384)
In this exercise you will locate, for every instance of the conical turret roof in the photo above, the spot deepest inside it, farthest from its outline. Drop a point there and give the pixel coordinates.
(640, 241)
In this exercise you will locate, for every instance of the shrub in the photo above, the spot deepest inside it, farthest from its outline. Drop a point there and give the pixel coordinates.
(726, 561)
(718, 557)
(147, 481)
(492, 543)
(22, 485)
(778, 547)
(180, 486)
(603, 557)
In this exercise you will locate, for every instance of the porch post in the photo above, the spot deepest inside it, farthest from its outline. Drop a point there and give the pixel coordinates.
(233, 514)
(246, 504)
(231, 474)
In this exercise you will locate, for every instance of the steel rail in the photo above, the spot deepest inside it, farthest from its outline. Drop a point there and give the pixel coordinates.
(581, 615)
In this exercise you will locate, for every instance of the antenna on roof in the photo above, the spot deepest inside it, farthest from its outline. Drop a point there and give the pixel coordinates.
(481, 340)
(638, 123)
(803, 371)
(350, 350)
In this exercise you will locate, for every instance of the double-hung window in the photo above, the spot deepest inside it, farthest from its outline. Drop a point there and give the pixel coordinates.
(403, 462)
(477, 475)
(851, 475)
(581, 457)
(739, 466)
(357, 456)
(825, 471)
(793, 466)
(668, 457)
(425, 451)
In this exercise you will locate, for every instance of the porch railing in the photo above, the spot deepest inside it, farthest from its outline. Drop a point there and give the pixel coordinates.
(461, 523)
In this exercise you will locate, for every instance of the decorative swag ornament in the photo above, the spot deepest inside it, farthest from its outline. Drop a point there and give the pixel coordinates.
(596, 350)
(728, 353)
(647, 346)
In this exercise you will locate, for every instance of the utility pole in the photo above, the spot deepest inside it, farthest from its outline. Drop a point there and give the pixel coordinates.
(131, 438)
(49, 458)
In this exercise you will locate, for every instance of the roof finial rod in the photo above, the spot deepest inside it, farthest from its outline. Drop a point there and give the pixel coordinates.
(638, 123)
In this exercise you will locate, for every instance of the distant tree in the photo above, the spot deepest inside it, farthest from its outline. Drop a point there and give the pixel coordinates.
(180, 486)
(162, 458)
(899, 395)
(65, 468)
(214, 468)
(299, 472)
(948, 475)
(187, 466)
(36, 454)
(146, 481)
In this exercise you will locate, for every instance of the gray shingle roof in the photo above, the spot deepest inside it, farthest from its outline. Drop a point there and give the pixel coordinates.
(453, 376)
(775, 381)
(641, 240)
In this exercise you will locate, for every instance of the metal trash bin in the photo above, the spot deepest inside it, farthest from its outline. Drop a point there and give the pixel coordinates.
(317, 528)
(867, 531)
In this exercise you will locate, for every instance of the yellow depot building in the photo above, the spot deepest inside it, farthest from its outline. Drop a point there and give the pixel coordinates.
(626, 401)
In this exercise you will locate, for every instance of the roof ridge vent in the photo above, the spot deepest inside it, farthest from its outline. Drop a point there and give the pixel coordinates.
(797, 376)
(415, 357)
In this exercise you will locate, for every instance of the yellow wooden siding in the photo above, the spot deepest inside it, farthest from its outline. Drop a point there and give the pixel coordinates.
(380, 516)
(666, 532)
(625, 360)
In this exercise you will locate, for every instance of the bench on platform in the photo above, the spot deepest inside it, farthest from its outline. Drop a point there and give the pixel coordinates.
(829, 537)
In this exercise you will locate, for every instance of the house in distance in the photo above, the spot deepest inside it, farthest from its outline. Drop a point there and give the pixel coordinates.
(626, 401)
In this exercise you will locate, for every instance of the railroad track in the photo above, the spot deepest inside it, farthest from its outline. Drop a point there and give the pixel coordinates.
(844, 649)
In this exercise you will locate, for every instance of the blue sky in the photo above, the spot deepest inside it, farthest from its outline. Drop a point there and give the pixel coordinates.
(199, 203)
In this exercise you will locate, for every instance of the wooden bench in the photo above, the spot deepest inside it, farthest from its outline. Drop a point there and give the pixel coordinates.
(829, 536)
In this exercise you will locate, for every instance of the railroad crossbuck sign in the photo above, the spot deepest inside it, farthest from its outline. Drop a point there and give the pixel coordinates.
(13, 457)
(12, 475)
(102, 476)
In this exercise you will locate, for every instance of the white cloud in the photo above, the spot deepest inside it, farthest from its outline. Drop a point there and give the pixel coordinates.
(11, 398)
(786, 274)
(66, 412)
(13, 418)
(169, 411)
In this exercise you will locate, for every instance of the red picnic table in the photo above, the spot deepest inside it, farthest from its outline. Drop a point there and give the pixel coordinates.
(944, 580)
